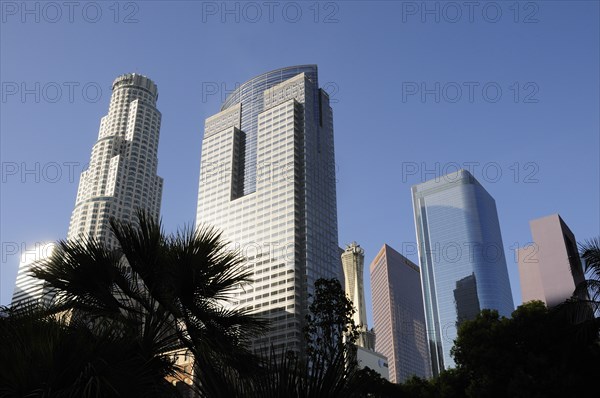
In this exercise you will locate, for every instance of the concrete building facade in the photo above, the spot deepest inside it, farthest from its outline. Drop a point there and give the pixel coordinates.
(549, 268)
(398, 315)
(121, 177)
(122, 173)
(267, 180)
(353, 263)
(28, 288)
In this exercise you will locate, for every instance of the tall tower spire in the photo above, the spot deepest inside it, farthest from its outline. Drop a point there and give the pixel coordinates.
(121, 176)
(353, 263)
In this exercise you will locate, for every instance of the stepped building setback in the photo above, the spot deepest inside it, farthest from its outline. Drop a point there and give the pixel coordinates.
(267, 180)
(121, 176)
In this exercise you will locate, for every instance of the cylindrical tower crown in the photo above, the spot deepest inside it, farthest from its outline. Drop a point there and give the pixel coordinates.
(137, 80)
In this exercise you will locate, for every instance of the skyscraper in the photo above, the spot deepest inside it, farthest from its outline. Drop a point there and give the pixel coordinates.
(353, 262)
(121, 176)
(267, 180)
(463, 268)
(28, 288)
(398, 315)
(550, 268)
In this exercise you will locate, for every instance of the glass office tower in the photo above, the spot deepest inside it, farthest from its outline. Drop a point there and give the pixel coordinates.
(463, 268)
(267, 180)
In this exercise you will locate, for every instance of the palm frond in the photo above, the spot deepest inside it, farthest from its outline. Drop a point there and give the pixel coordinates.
(117, 316)
(84, 274)
(590, 253)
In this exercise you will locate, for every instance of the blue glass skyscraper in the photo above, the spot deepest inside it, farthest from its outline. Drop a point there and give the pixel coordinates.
(463, 267)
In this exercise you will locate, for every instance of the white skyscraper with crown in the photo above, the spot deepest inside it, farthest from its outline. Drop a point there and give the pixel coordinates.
(122, 173)
(121, 177)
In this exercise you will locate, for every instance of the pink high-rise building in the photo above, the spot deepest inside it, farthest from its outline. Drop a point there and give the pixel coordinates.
(550, 267)
(399, 316)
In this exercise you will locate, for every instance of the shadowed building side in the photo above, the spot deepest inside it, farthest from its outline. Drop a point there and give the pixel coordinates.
(466, 300)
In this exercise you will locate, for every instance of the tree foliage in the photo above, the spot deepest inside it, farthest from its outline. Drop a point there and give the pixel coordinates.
(328, 369)
(330, 328)
(535, 353)
(117, 316)
(538, 352)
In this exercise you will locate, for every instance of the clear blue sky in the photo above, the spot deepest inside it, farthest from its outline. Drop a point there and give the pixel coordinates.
(375, 58)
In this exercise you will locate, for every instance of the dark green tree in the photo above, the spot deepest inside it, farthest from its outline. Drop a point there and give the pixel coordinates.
(330, 329)
(119, 315)
(47, 356)
(583, 308)
(328, 369)
(538, 352)
(590, 253)
(533, 354)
